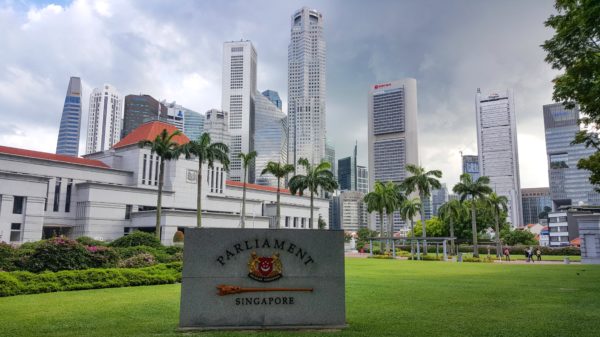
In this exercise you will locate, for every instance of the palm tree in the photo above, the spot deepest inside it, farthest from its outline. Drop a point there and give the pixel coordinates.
(384, 197)
(408, 210)
(316, 177)
(247, 159)
(166, 149)
(452, 211)
(279, 171)
(205, 152)
(475, 190)
(423, 182)
(497, 203)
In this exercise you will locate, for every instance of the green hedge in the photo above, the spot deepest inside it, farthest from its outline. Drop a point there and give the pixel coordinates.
(22, 282)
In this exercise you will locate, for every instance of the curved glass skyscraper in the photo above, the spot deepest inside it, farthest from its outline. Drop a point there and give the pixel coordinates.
(70, 122)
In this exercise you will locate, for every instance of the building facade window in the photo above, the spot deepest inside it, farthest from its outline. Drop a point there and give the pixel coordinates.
(68, 198)
(15, 232)
(144, 169)
(18, 203)
(128, 209)
(56, 194)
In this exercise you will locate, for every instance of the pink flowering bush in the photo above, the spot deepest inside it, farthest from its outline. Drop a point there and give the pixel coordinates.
(138, 261)
(58, 254)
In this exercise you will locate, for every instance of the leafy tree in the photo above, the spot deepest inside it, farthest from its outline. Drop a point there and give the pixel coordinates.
(575, 48)
(467, 188)
(321, 222)
(408, 210)
(319, 176)
(497, 204)
(166, 149)
(517, 236)
(452, 212)
(423, 182)
(435, 227)
(205, 152)
(384, 197)
(279, 171)
(247, 159)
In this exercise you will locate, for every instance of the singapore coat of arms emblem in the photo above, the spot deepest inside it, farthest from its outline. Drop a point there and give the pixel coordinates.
(264, 269)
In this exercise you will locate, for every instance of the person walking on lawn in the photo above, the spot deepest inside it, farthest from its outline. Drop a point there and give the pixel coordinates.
(507, 254)
(538, 253)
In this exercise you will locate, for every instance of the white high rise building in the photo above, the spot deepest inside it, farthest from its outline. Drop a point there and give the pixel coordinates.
(392, 135)
(238, 90)
(216, 126)
(306, 87)
(104, 119)
(497, 147)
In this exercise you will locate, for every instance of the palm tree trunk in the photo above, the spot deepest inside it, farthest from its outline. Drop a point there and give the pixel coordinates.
(422, 197)
(497, 235)
(381, 232)
(243, 215)
(389, 231)
(451, 235)
(474, 228)
(278, 215)
(312, 222)
(412, 242)
(199, 196)
(161, 176)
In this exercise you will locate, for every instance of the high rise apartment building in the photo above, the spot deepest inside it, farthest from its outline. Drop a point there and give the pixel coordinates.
(238, 91)
(194, 124)
(497, 147)
(470, 165)
(392, 119)
(140, 109)
(330, 156)
(347, 173)
(104, 119)
(362, 179)
(352, 211)
(568, 184)
(438, 198)
(306, 87)
(216, 125)
(534, 202)
(270, 139)
(70, 122)
(273, 96)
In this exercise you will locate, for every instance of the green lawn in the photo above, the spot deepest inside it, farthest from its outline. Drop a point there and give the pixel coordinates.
(384, 298)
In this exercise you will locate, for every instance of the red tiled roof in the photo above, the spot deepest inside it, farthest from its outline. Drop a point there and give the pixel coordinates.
(576, 242)
(256, 187)
(51, 157)
(149, 131)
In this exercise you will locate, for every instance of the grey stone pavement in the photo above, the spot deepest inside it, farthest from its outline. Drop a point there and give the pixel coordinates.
(365, 255)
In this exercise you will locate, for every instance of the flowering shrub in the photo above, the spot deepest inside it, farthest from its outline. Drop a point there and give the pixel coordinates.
(88, 241)
(102, 257)
(137, 238)
(138, 261)
(58, 254)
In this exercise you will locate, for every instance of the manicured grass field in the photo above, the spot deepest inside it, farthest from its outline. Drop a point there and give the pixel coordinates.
(384, 298)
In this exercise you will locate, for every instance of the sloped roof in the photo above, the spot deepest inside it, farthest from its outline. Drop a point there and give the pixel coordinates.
(149, 131)
(51, 157)
(576, 242)
(256, 187)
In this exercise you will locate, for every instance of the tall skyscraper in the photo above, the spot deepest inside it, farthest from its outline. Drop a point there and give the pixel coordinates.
(270, 139)
(238, 90)
(175, 115)
(438, 198)
(273, 96)
(470, 165)
(568, 184)
(347, 174)
(362, 179)
(194, 124)
(70, 122)
(497, 147)
(352, 210)
(217, 127)
(140, 109)
(330, 156)
(534, 201)
(306, 87)
(392, 119)
(104, 119)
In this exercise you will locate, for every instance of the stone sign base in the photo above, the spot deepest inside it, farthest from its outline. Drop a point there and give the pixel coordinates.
(258, 279)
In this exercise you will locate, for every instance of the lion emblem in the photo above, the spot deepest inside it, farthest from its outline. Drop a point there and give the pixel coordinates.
(263, 268)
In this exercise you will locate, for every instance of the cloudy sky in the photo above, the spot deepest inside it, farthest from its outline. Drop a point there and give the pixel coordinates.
(173, 50)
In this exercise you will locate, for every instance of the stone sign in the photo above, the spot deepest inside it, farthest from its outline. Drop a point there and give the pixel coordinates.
(262, 279)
